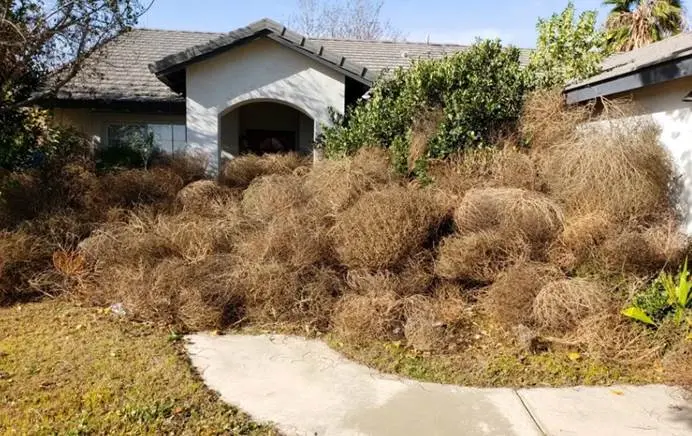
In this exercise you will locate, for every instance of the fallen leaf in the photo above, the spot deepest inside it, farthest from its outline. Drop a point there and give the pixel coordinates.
(574, 356)
(614, 392)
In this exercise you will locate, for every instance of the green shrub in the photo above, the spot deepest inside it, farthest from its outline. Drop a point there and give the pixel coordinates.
(118, 157)
(667, 296)
(568, 48)
(479, 91)
(653, 301)
(28, 140)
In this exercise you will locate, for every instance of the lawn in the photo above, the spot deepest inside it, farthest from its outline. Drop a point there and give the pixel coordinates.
(494, 360)
(73, 370)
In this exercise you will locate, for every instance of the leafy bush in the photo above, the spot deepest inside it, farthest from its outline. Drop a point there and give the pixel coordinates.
(667, 296)
(118, 157)
(23, 137)
(479, 92)
(28, 140)
(567, 49)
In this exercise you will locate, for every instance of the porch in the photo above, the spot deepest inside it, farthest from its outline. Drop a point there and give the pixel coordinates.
(264, 126)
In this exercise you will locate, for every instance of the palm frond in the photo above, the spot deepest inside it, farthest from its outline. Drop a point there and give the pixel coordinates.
(634, 24)
(620, 5)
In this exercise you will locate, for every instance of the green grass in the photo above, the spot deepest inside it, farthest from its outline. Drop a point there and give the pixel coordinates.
(72, 370)
(496, 364)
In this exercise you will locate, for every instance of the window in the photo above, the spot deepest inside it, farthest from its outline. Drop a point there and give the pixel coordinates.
(170, 138)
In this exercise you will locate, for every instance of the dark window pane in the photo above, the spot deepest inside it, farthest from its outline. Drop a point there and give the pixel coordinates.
(126, 135)
(166, 137)
(179, 132)
(179, 137)
(163, 136)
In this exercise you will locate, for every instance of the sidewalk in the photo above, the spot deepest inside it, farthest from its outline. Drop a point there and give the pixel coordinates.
(306, 388)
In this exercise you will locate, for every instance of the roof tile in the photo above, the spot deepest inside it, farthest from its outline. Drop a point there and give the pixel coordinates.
(675, 47)
(120, 71)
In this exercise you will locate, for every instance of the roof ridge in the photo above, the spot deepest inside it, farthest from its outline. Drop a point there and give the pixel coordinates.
(156, 29)
(271, 29)
(373, 41)
(630, 56)
(653, 45)
(390, 41)
(676, 36)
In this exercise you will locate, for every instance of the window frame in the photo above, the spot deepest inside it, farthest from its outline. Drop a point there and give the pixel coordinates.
(168, 147)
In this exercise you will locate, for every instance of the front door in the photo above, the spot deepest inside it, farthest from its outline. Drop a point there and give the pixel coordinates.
(267, 141)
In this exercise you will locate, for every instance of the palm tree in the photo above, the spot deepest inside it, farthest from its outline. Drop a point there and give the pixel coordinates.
(635, 23)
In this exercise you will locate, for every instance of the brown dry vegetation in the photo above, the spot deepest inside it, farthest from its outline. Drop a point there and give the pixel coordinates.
(678, 365)
(238, 173)
(479, 257)
(335, 185)
(424, 128)
(385, 226)
(582, 174)
(560, 305)
(545, 122)
(511, 297)
(505, 244)
(508, 167)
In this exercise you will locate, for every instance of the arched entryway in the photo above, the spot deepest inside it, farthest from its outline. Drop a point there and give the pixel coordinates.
(264, 126)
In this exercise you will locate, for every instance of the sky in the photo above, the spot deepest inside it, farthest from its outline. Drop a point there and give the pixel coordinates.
(443, 21)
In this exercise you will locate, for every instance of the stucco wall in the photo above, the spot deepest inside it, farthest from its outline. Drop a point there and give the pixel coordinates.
(663, 103)
(262, 70)
(95, 124)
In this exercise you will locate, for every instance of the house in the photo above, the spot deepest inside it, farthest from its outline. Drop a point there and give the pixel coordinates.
(256, 89)
(658, 79)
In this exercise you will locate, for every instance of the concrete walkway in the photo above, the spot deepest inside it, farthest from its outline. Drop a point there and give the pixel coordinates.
(306, 388)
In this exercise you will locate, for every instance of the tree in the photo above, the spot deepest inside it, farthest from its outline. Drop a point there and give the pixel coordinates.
(43, 45)
(344, 19)
(39, 38)
(567, 49)
(635, 23)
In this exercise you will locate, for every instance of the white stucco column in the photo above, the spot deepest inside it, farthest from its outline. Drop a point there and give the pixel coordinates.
(202, 132)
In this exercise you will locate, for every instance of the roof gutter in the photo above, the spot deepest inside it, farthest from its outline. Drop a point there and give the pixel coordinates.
(135, 105)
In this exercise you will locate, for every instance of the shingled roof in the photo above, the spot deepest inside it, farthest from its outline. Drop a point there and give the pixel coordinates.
(121, 70)
(171, 69)
(387, 55)
(654, 63)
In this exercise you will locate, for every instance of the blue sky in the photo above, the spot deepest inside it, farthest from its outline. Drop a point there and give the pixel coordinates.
(457, 21)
